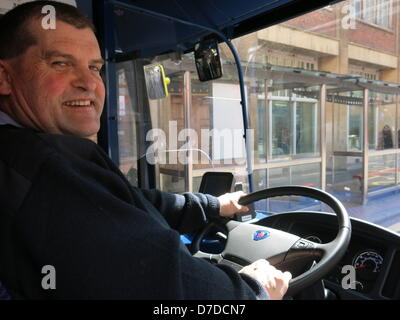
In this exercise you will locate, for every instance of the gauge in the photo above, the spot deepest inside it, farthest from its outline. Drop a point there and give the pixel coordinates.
(368, 264)
(314, 239)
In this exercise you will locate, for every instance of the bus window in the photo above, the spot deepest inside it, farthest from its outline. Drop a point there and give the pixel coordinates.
(306, 82)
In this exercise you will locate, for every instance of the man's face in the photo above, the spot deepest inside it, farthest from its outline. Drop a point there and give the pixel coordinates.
(56, 85)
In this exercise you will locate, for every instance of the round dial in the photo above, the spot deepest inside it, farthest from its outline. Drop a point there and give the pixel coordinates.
(368, 264)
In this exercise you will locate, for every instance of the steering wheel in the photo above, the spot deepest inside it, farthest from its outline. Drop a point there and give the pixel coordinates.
(247, 243)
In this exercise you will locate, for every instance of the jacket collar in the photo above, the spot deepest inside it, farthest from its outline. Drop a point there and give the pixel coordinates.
(6, 119)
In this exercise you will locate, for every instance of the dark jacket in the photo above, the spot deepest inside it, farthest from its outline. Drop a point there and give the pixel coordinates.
(63, 203)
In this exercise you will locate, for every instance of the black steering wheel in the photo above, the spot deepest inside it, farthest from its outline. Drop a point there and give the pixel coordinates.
(247, 243)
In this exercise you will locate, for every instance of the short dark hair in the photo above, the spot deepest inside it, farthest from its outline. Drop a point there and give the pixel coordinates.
(15, 36)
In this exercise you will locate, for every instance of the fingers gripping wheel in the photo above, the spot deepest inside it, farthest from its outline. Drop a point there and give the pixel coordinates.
(247, 243)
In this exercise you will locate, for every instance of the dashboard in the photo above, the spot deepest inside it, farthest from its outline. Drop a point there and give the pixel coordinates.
(373, 254)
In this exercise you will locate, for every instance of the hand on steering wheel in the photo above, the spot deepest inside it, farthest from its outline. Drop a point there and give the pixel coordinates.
(247, 243)
(229, 204)
(274, 281)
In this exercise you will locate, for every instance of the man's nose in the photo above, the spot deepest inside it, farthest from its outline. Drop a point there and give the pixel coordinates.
(85, 80)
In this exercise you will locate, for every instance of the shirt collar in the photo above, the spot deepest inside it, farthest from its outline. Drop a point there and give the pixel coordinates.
(6, 119)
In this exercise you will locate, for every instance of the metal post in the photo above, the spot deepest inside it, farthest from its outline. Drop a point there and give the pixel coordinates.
(292, 122)
(396, 141)
(245, 114)
(187, 94)
(108, 134)
(267, 144)
(365, 147)
(322, 135)
(333, 140)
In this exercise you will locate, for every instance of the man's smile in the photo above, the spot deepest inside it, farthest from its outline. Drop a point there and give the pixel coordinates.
(79, 103)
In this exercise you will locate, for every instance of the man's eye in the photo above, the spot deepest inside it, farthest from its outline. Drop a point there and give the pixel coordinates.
(59, 63)
(95, 68)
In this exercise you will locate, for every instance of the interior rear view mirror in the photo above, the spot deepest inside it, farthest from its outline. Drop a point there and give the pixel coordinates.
(156, 81)
(208, 62)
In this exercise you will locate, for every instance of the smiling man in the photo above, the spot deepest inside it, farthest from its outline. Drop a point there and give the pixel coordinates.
(54, 86)
(65, 205)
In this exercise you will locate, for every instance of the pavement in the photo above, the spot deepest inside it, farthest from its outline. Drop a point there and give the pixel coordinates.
(383, 210)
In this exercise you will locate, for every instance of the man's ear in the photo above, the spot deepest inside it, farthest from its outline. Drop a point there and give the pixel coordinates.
(5, 85)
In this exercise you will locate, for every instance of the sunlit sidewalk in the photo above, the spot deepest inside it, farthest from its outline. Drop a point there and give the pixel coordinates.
(383, 210)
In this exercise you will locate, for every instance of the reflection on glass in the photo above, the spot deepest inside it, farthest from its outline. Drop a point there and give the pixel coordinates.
(128, 123)
(386, 138)
(306, 125)
(345, 174)
(347, 110)
(279, 177)
(168, 119)
(355, 128)
(294, 123)
(196, 184)
(172, 183)
(306, 175)
(381, 171)
(382, 121)
(294, 203)
(260, 179)
(372, 132)
(281, 133)
(261, 133)
(303, 175)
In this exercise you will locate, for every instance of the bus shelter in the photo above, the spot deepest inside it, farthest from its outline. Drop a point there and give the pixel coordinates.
(346, 124)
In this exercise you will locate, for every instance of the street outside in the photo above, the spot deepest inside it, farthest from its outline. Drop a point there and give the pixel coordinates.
(383, 209)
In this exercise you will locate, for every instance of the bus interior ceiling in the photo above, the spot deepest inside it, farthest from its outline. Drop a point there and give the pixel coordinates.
(161, 35)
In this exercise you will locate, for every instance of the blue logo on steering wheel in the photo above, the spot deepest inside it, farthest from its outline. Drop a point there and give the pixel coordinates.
(260, 234)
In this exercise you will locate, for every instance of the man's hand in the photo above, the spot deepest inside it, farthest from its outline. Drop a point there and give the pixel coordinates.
(229, 204)
(274, 281)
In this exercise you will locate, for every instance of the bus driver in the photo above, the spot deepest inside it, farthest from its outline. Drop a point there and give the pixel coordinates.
(65, 204)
